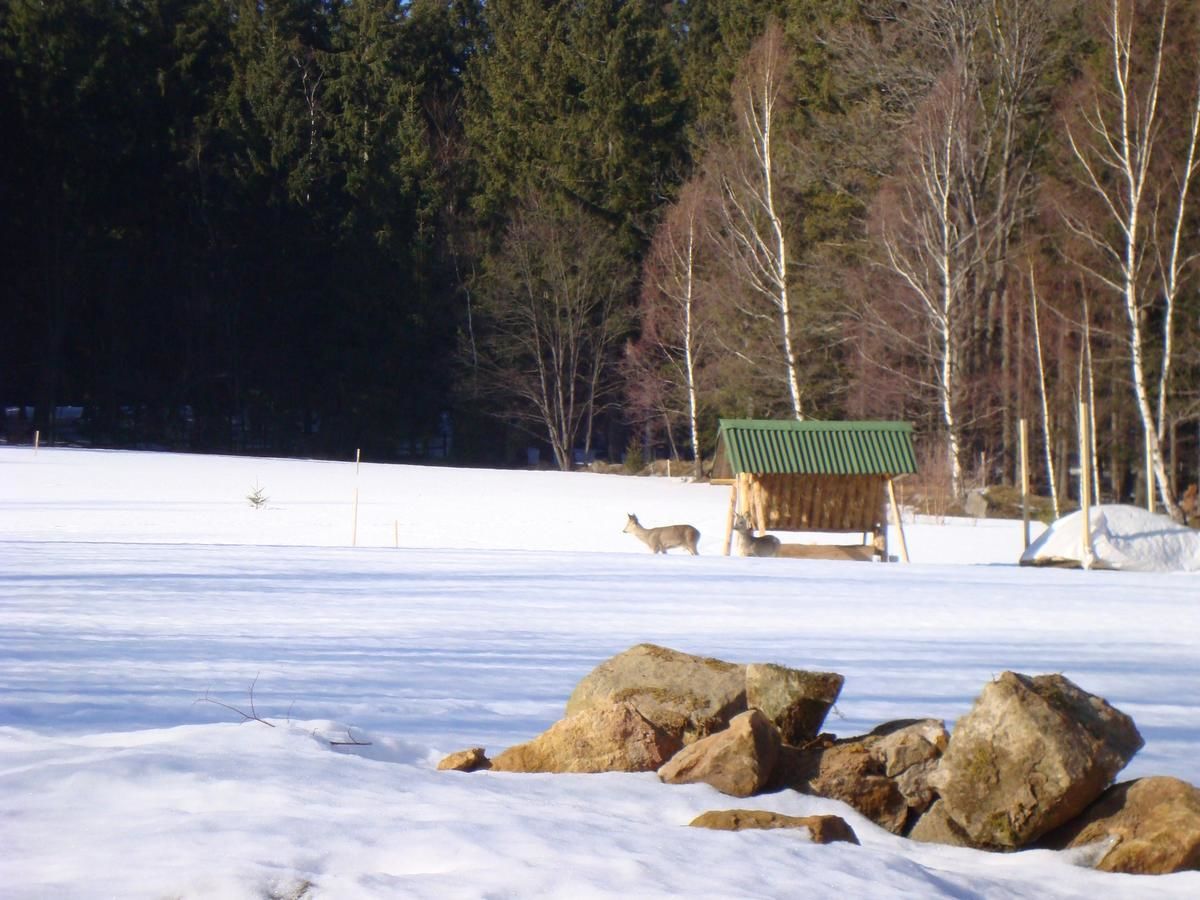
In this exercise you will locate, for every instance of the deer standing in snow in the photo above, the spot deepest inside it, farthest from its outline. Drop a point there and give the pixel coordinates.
(663, 538)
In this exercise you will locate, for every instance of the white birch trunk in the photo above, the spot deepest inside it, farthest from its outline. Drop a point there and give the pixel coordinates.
(1037, 340)
(751, 212)
(1117, 167)
(689, 339)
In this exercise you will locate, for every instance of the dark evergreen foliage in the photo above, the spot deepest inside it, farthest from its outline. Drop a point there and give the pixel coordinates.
(290, 226)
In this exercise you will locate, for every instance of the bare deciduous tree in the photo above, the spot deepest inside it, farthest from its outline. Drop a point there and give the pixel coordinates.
(1144, 194)
(955, 203)
(551, 311)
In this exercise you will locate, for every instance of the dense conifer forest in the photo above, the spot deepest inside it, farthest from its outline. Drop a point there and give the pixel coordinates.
(455, 229)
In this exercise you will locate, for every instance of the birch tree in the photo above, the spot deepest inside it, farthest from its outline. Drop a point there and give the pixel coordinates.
(972, 95)
(752, 184)
(934, 244)
(1144, 191)
(664, 365)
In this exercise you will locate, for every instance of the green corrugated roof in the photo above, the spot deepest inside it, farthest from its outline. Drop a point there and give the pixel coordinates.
(770, 446)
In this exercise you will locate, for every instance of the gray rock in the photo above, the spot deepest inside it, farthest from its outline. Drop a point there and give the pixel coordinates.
(686, 696)
(1031, 754)
(797, 701)
(610, 737)
(1152, 827)
(737, 761)
(935, 827)
(884, 775)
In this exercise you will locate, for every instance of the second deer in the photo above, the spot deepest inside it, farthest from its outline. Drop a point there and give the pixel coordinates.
(663, 538)
(748, 544)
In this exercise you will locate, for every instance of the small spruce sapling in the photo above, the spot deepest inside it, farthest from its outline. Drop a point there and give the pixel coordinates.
(256, 497)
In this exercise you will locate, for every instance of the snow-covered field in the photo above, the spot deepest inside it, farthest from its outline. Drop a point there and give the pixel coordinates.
(136, 586)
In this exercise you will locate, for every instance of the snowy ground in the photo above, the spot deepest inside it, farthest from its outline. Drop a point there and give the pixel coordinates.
(134, 585)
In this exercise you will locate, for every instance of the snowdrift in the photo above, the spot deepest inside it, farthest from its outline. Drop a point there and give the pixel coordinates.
(1123, 537)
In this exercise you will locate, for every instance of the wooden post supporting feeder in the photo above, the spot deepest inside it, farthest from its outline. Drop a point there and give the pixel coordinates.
(895, 507)
(827, 477)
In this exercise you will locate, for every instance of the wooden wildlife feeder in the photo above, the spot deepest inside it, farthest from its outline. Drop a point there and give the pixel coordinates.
(805, 476)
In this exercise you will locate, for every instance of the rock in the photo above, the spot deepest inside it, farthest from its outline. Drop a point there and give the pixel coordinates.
(737, 761)
(935, 827)
(847, 772)
(795, 700)
(1153, 823)
(1031, 754)
(910, 752)
(613, 737)
(824, 829)
(465, 761)
(884, 775)
(686, 696)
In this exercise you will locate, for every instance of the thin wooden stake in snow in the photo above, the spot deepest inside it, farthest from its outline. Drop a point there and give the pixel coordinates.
(1085, 488)
(1024, 434)
(354, 529)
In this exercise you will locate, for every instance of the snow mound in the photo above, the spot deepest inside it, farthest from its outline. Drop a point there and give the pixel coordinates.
(1123, 537)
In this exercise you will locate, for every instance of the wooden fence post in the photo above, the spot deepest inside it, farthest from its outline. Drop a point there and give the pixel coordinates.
(1024, 434)
(1085, 487)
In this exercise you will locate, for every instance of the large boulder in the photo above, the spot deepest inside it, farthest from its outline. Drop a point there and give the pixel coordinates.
(795, 700)
(1031, 754)
(821, 829)
(611, 737)
(1155, 823)
(737, 761)
(885, 775)
(686, 696)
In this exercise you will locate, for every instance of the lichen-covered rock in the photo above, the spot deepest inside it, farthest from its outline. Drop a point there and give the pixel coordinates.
(1155, 823)
(796, 700)
(1032, 753)
(911, 752)
(935, 827)
(612, 737)
(465, 761)
(686, 696)
(821, 829)
(737, 761)
(884, 775)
